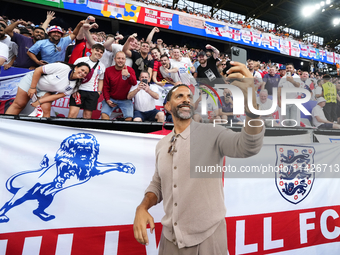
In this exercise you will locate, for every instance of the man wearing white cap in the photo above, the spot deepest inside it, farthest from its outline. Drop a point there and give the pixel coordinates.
(53, 49)
(319, 118)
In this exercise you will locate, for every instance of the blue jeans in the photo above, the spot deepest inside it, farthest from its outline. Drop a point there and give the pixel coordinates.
(125, 106)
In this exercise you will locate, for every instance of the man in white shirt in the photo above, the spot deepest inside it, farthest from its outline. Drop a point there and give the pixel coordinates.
(91, 89)
(258, 82)
(169, 73)
(290, 80)
(185, 68)
(319, 118)
(145, 97)
(3, 53)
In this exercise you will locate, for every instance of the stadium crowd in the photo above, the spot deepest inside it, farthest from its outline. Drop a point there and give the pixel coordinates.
(246, 23)
(127, 69)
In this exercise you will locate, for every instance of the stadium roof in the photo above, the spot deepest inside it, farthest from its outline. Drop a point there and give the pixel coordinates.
(287, 13)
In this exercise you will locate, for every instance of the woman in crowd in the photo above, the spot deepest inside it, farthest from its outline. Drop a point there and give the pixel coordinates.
(49, 82)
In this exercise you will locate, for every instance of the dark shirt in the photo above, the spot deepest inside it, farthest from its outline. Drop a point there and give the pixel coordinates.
(209, 73)
(24, 43)
(226, 107)
(139, 63)
(271, 82)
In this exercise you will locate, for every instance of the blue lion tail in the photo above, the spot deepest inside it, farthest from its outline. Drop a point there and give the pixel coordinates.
(44, 164)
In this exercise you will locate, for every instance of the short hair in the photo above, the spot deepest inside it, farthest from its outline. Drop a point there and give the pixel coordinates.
(290, 64)
(119, 53)
(144, 72)
(98, 46)
(168, 96)
(327, 77)
(145, 43)
(164, 56)
(39, 28)
(155, 48)
(264, 90)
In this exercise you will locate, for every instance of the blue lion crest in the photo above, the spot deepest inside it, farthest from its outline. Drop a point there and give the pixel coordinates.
(75, 163)
(295, 178)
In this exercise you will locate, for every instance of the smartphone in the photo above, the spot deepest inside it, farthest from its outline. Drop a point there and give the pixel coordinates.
(239, 55)
(288, 74)
(145, 81)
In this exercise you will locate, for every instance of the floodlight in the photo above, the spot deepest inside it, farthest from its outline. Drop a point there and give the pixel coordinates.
(328, 1)
(317, 6)
(322, 3)
(302, 63)
(307, 11)
(323, 10)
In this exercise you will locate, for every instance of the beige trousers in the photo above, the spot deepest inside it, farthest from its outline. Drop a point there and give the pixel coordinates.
(216, 244)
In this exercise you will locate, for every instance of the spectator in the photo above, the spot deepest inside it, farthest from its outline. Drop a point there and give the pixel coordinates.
(113, 47)
(185, 68)
(319, 118)
(3, 37)
(168, 72)
(140, 60)
(306, 83)
(83, 48)
(330, 95)
(207, 69)
(318, 89)
(144, 96)
(226, 109)
(24, 43)
(258, 83)
(212, 108)
(282, 71)
(271, 80)
(156, 74)
(118, 80)
(338, 100)
(92, 86)
(49, 83)
(290, 80)
(3, 53)
(12, 46)
(53, 49)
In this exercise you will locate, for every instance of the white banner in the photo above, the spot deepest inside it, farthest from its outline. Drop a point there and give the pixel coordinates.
(74, 191)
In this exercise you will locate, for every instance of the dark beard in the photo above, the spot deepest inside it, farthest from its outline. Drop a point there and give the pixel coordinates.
(176, 112)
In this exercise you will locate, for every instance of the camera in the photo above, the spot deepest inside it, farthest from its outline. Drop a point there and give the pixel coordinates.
(228, 95)
(145, 81)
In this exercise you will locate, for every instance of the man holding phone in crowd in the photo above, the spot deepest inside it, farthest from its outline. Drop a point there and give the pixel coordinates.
(145, 97)
(290, 80)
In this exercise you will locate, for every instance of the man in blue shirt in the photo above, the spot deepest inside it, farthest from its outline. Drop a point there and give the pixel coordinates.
(53, 49)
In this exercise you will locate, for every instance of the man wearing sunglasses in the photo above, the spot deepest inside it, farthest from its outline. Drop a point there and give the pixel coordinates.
(194, 221)
(53, 49)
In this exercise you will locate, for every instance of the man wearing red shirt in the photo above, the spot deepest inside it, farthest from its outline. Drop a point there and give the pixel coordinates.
(118, 80)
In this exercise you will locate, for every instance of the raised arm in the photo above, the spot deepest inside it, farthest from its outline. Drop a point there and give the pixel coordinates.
(10, 28)
(76, 30)
(88, 20)
(216, 52)
(126, 47)
(151, 34)
(49, 17)
(86, 29)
